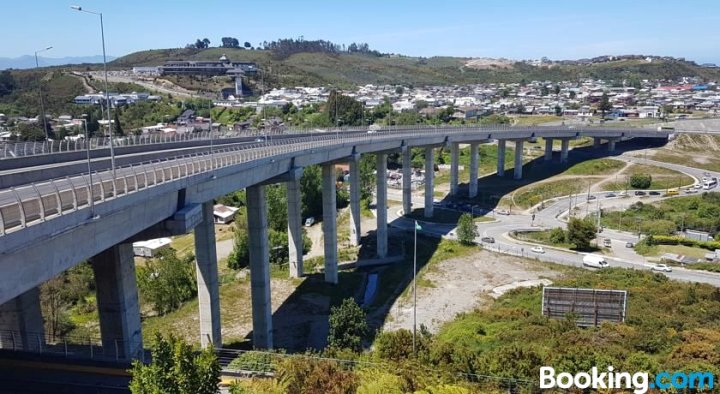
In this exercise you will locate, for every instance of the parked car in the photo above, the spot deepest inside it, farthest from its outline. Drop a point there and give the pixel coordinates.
(610, 195)
(661, 268)
(654, 193)
(309, 221)
(537, 249)
(591, 197)
(502, 211)
(623, 195)
(640, 193)
(607, 242)
(489, 240)
(629, 245)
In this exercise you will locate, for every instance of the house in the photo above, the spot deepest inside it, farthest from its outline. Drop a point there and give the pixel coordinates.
(150, 247)
(648, 111)
(224, 214)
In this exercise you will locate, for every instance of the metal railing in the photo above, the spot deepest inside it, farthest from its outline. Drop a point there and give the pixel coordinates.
(68, 346)
(9, 149)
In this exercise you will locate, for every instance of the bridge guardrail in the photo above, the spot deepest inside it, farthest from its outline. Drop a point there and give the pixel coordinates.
(38, 202)
(68, 346)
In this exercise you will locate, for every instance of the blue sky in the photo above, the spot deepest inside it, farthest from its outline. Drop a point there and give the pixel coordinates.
(525, 29)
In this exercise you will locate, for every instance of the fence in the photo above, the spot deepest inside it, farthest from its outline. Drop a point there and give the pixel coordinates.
(75, 347)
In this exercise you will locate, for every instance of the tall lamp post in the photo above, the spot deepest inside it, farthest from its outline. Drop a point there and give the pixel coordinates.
(42, 101)
(91, 198)
(107, 93)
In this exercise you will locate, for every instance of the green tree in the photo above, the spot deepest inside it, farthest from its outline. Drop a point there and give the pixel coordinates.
(544, 91)
(30, 132)
(640, 181)
(466, 230)
(176, 369)
(558, 110)
(117, 125)
(167, 280)
(7, 83)
(348, 326)
(573, 95)
(580, 232)
(556, 89)
(311, 186)
(343, 110)
(604, 105)
(240, 255)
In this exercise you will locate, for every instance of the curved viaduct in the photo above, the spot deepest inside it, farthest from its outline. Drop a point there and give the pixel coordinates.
(51, 225)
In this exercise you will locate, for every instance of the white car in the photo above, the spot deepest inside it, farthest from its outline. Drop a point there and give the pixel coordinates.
(537, 249)
(661, 268)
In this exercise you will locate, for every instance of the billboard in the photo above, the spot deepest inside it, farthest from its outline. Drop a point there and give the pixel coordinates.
(589, 307)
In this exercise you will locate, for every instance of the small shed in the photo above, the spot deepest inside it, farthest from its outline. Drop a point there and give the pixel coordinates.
(150, 247)
(224, 214)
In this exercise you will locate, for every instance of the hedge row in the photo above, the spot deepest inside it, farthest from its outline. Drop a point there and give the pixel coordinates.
(676, 240)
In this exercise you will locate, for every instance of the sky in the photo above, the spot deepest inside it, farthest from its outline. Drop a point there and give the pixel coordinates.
(520, 29)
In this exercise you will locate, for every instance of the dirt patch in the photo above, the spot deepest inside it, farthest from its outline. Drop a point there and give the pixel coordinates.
(463, 284)
(488, 63)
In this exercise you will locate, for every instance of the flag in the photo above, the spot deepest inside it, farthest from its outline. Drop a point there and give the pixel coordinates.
(417, 226)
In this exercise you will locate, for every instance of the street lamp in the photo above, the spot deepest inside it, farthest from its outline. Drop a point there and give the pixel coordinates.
(42, 102)
(91, 198)
(107, 93)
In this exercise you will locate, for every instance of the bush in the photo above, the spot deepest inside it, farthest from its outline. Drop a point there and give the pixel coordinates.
(558, 236)
(167, 280)
(640, 181)
(348, 326)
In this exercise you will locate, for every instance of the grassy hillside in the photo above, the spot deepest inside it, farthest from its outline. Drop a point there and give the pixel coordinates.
(353, 69)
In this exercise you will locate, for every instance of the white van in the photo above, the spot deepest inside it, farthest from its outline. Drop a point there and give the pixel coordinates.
(595, 261)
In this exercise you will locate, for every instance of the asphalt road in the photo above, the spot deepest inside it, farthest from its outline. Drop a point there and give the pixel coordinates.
(552, 216)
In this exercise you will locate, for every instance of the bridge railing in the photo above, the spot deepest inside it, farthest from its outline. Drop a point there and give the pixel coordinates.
(10, 149)
(38, 202)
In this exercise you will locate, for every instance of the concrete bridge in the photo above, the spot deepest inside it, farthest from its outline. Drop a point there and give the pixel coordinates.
(53, 214)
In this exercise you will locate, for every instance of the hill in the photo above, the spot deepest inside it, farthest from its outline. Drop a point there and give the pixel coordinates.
(28, 61)
(312, 69)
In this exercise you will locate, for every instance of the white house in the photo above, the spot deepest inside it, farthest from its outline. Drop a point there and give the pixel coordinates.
(150, 247)
(649, 111)
(224, 214)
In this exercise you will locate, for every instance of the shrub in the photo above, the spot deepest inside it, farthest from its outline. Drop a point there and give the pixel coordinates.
(640, 181)
(348, 326)
(558, 236)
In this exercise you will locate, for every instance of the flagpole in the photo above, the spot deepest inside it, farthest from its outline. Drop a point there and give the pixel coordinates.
(415, 292)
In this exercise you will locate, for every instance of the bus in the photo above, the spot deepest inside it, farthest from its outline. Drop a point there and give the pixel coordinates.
(709, 183)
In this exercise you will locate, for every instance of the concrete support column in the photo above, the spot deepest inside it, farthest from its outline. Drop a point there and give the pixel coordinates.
(355, 218)
(295, 240)
(454, 164)
(473, 184)
(381, 205)
(548, 149)
(406, 181)
(565, 144)
(259, 267)
(207, 279)
(21, 323)
(611, 145)
(329, 224)
(429, 181)
(597, 142)
(518, 159)
(117, 302)
(501, 158)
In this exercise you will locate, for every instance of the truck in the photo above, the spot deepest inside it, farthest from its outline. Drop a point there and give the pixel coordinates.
(595, 261)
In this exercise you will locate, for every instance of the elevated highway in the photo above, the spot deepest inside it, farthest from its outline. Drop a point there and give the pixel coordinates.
(54, 214)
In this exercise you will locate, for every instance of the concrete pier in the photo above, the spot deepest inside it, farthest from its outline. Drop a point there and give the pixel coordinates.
(329, 224)
(611, 145)
(406, 181)
(117, 302)
(548, 149)
(355, 218)
(565, 144)
(259, 267)
(501, 157)
(429, 181)
(381, 205)
(597, 142)
(517, 174)
(207, 279)
(21, 323)
(454, 168)
(473, 183)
